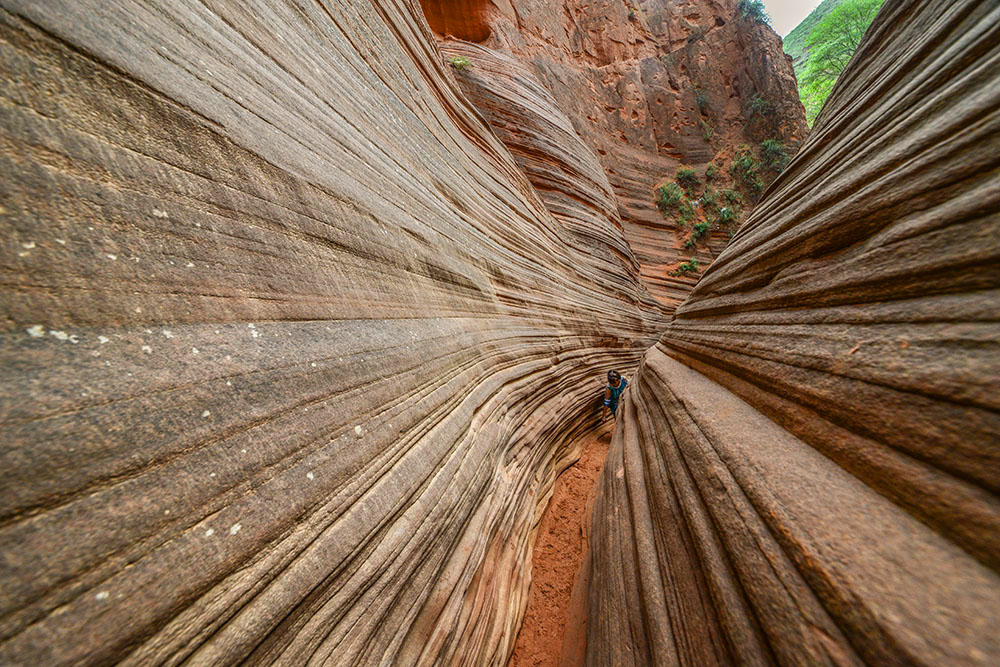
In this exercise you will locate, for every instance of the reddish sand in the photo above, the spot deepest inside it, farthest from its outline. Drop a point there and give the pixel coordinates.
(558, 556)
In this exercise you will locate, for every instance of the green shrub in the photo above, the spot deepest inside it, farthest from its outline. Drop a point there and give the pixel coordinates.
(458, 62)
(690, 244)
(760, 107)
(687, 178)
(773, 154)
(732, 196)
(711, 172)
(686, 209)
(701, 99)
(727, 215)
(690, 266)
(707, 130)
(701, 230)
(754, 10)
(710, 199)
(744, 170)
(668, 196)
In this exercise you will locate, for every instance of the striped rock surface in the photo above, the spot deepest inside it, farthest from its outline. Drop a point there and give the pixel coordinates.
(809, 466)
(292, 349)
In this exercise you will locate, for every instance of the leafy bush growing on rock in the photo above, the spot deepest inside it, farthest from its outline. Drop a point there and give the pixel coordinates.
(731, 196)
(707, 130)
(700, 231)
(744, 170)
(687, 178)
(458, 62)
(711, 172)
(760, 107)
(690, 266)
(701, 99)
(727, 215)
(668, 196)
(773, 154)
(754, 10)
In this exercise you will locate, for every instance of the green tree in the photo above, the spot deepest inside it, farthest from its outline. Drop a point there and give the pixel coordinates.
(830, 44)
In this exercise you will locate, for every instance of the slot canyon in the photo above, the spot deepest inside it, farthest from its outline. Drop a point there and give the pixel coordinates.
(308, 310)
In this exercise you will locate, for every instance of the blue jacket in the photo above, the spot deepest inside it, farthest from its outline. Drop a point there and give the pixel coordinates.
(616, 393)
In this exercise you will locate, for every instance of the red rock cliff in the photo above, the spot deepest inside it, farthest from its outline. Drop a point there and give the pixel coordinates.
(648, 86)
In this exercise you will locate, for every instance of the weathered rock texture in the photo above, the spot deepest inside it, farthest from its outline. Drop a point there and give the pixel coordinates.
(628, 77)
(292, 348)
(809, 465)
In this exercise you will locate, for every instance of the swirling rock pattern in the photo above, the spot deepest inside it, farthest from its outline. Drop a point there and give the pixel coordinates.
(809, 465)
(628, 76)
(292, 348)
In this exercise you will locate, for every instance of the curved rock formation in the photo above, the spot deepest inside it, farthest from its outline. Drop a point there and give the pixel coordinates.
(647, 85)
(808, 469)
(292, 349)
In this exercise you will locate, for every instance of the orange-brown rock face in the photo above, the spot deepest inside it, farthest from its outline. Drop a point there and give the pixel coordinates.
(292, 348)
(650, 85)
(808, 468)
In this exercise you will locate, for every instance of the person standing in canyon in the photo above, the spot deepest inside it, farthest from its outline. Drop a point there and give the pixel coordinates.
(616, 385)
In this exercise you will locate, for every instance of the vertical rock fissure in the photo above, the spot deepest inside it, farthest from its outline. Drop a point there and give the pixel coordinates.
(559, 553)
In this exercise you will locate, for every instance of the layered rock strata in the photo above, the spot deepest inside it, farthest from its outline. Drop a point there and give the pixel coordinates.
(808, 469)
(647, 85)
(292, 348)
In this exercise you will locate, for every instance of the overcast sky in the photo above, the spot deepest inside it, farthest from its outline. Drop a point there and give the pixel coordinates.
(786, 14)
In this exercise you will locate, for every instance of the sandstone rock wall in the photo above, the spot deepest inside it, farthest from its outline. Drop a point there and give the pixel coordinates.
(628, 75)
(292, 348)
(809, 466)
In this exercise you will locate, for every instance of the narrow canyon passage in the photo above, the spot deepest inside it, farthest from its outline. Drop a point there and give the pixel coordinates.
(559, 555)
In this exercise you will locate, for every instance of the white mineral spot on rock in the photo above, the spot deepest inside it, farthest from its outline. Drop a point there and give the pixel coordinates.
(206, 413)
(255, 333)
(166, 511)
(235, 529)
(197, 224)
(112, 257)
(147, 349)
(309, 475)
(243, 451)
(61, 335)
(228, 383)
(37, 331)
(103, 339)
(313, 364)
(138, 309)
(61, 241)
(29, 245)
(23, 254)
(357, 429)
(103, 595)
(190, 265)
(209, 532)
(168, 333)
(229, 357)
(194, 350)
(211, 474)
(159, 214)
(251, 326)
